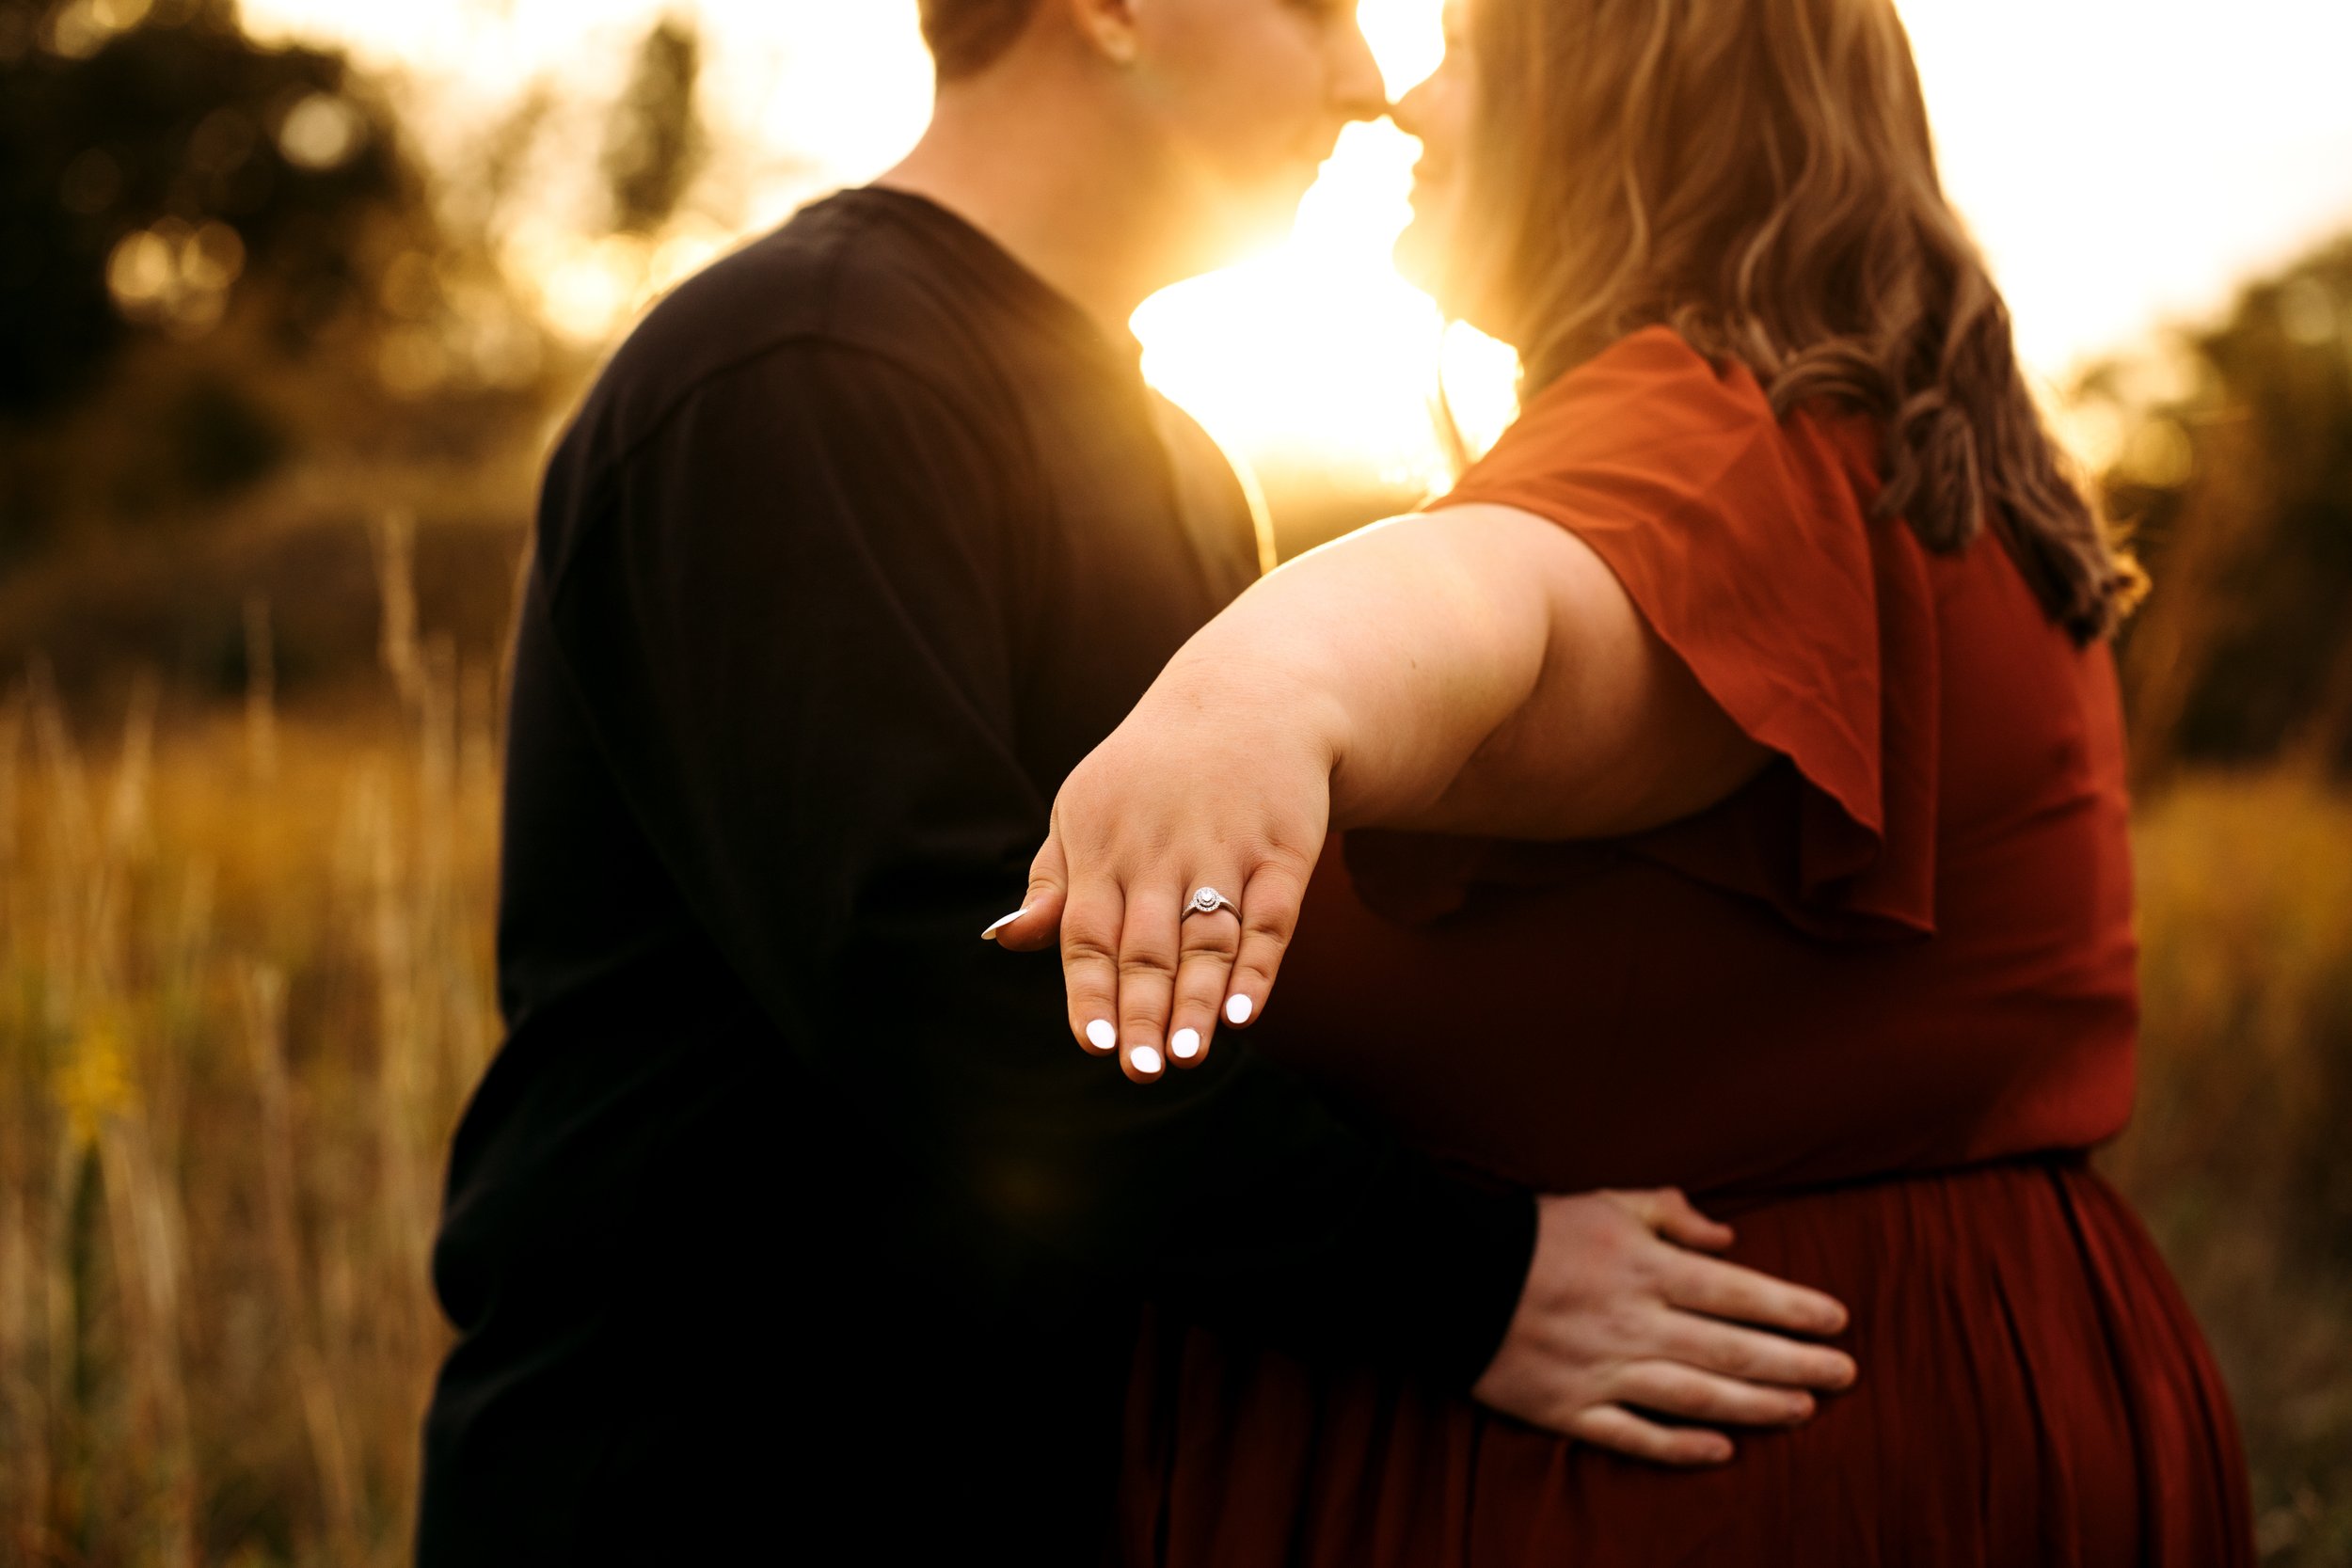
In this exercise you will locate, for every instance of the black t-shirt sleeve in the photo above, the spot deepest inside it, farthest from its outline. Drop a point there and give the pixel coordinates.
(791, 615)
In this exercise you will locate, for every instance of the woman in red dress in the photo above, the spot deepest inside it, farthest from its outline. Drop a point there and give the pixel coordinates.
(1732, 777)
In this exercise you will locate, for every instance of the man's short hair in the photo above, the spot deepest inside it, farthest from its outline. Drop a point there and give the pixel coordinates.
(967, 35)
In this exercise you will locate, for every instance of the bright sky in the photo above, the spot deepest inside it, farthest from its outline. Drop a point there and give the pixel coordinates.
(2123, 161)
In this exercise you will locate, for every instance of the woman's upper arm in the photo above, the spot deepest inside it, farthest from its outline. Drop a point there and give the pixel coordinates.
(1617, 735)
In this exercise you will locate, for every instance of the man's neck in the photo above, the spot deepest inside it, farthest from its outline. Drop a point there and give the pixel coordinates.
(1071, 201)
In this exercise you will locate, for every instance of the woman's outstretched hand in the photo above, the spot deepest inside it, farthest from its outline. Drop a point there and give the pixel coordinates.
(1224, 793)
(1621, 1321)
(1476, 670)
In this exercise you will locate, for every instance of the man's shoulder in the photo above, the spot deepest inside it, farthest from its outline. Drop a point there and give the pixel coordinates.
(838, 279)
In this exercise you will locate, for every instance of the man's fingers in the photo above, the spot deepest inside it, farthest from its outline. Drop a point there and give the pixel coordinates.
(1681, 1221)
(1739, 1294)
(1209, 941)
(1032, 925)
(1665, 1211)
(1090, 923)
(1611, 1426)
(1750, 1353)
(1672, 1388)
(1269, 916)
(1146, 978)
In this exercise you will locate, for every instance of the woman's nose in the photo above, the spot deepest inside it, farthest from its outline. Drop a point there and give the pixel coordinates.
(1407, 111)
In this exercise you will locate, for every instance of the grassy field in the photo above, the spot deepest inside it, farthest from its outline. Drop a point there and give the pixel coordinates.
(2240, 1153)
(244, 983)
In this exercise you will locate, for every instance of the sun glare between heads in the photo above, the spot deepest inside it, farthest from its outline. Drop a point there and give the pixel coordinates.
(1317, 359)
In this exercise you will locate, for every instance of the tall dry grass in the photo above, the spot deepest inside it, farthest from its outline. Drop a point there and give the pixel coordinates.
(245, 984)
(2240, 1153)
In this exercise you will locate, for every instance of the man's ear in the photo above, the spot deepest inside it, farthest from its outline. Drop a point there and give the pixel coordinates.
(1109, 26)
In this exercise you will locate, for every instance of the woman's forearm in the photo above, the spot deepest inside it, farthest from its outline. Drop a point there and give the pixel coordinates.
(1398, 652)
(1475, 670)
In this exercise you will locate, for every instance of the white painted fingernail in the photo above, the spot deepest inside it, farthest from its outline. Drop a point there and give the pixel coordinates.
(990, 935)
(1185, 1044)
(1147, 1060)
(1102, 1036)
(1237, 1009)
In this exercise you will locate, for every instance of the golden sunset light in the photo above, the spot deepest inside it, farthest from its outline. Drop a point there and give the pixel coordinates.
(1318, 356)
(682, 880)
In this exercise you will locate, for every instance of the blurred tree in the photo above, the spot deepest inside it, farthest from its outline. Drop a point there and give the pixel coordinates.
(152, 160)
(156, 168)
(2237, 478)
(216, 255)
(654, 143)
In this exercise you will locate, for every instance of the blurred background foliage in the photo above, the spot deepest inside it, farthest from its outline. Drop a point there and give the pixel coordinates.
(2234, 466)
(240, 322)
(215, 259)
(272, 393)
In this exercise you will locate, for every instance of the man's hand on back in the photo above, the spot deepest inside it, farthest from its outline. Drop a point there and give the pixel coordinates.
(1621, 1316)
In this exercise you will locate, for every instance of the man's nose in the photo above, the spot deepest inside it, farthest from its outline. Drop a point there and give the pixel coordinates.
(1357, 89)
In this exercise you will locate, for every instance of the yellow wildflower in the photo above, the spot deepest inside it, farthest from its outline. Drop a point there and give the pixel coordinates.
(92, 1085)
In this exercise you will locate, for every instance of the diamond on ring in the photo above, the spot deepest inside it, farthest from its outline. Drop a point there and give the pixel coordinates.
(1208, 901)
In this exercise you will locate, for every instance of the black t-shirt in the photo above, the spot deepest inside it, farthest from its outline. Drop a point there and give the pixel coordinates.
(787, 1193)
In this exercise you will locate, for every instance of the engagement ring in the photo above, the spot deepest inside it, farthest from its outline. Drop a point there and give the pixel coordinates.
(1208, 901)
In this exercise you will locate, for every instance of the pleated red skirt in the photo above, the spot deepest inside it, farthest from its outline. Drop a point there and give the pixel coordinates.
(2033, 1392)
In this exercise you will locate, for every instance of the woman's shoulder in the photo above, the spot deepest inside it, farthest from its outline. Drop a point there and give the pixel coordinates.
(1649, 390)
(1746, 543)
(1650, 420)
(1652, 436)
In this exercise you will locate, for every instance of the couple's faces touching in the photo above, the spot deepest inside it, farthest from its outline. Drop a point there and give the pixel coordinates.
(1246, 97)
(1239, 101)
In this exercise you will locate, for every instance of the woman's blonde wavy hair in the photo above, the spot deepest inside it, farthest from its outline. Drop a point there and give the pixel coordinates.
(1759, 176)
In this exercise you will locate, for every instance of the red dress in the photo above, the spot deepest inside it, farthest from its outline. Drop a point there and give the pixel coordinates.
(1873, 1009)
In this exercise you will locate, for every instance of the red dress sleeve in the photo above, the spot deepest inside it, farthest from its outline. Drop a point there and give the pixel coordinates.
(1746, 543)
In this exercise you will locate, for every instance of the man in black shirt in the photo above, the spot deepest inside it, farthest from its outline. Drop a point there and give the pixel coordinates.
(788, 1223)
